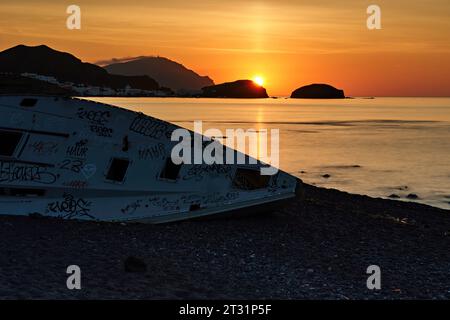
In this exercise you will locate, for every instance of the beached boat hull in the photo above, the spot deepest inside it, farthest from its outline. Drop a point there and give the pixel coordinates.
(78, 159)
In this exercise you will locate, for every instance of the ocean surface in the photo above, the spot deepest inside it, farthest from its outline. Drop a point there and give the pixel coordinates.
(376, 147)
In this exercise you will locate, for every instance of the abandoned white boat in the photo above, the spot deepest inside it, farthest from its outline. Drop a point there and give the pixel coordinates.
(78, 159)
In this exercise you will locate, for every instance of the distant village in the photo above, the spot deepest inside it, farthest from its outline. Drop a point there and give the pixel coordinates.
(85, 90)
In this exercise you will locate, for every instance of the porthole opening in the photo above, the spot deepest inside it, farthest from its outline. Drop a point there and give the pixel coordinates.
(9, 140)
(117, 170)
(249, 179)
(194, 207)
(28, 102)
(170, 170)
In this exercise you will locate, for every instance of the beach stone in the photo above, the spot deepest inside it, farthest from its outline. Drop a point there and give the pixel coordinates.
(412, 196)
(394, 196)
(36, 215)
(135, 265)
(326, 176)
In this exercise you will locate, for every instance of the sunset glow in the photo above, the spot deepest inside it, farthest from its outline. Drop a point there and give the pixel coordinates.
(295, 42)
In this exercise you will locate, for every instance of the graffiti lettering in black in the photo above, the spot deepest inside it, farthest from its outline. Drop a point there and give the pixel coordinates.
(164, 203)
(97, 117)
(149, 127)
(76, 184)
(70, 207)
(132, 207)
(43, 148)
(101, 131)
(210, 198)
(155, 152)
(78, 150)
(71, 165)
(197, 172)
(16, 172)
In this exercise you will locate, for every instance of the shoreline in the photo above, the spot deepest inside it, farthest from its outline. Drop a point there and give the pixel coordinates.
(316, 248)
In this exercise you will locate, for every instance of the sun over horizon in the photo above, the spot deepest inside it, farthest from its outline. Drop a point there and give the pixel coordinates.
(259, 80)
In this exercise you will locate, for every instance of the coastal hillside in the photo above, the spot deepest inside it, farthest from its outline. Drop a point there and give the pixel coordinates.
(66, 68)
(17, 84)
(168, 73)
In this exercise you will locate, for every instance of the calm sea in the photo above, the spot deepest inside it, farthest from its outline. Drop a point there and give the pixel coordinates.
(376, 147)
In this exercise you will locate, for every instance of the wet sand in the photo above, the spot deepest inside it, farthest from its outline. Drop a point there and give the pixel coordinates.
(316, 248)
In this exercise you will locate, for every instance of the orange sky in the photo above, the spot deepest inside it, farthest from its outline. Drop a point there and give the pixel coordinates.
(289, 43)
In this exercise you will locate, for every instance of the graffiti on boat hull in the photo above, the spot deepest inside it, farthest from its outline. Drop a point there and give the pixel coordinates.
(70, 207)
(18, 172)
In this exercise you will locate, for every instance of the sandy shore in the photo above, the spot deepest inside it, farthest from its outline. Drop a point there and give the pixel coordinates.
(318, 248)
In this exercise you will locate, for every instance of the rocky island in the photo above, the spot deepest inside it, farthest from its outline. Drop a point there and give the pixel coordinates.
(239, 89)
(318, 91)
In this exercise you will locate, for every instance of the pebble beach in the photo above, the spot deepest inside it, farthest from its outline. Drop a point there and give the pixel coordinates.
(318, 246)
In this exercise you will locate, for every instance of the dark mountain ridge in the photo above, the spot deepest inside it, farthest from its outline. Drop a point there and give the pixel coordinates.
(65, 67)
(168, 73)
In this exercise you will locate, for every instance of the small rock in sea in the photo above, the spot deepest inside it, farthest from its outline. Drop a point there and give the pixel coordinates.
(394, 196)
(133, 264)
(412, 196)
(326, 176)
